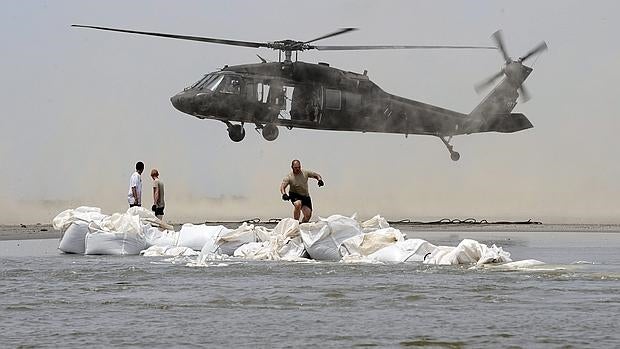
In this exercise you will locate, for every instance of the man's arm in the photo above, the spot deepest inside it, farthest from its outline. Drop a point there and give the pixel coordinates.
(315, 176)
(283, 186)
(155, 195)
(134, 192)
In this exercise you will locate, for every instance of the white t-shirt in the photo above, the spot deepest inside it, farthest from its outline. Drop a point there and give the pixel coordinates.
(135, 181)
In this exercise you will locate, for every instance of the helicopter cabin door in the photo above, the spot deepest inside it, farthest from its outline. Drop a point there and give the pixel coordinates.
(334, 106)
(341, 109)
(307, 104)
(272, 101)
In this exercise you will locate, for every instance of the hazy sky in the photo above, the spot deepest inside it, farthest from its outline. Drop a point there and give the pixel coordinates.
(80, 107)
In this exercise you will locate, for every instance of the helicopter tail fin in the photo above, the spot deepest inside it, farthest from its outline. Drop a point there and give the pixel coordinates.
(507, 123)
(493, 114)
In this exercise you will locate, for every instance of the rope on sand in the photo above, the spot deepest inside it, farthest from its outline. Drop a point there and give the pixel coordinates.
(442, 221)
(460, 221)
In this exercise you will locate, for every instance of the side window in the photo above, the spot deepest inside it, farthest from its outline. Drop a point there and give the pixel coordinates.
(332, 99)
(262, 92)
(277, 95)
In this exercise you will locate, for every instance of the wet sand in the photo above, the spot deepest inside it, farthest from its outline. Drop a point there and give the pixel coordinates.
(45, 231)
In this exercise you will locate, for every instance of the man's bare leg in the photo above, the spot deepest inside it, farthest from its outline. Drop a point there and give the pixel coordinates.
(297, 209)
(307, 214)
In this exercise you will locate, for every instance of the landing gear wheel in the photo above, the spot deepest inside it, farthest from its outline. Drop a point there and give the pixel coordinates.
(270, 132)
(236, 133)
(454, 155)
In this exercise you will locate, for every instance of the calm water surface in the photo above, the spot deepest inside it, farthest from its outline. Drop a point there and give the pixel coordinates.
(54, 300)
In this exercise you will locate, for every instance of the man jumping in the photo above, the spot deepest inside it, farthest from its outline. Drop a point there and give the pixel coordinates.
(298, 193)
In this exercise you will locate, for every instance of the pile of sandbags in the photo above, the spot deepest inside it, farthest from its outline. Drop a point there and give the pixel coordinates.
(73, 224)
(86, 230)
(283, 242)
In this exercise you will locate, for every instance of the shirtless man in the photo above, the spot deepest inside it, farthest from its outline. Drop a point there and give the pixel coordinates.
(298, 193)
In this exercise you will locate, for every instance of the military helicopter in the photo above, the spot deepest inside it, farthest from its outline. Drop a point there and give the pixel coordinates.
(316, 96)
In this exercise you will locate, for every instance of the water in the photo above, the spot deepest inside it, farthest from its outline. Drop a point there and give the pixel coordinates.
(55, 300)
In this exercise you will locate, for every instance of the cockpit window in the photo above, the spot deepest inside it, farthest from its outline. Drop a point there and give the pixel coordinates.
(208, 81)
(212, 84)
(201, 81)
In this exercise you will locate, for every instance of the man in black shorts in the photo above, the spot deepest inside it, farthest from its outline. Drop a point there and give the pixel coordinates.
(298, 193)
(158, 195)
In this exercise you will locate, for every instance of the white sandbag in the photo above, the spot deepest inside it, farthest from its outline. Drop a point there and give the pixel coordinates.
(287, 227)
(323, 238)
(141, 212)
(257, 251)
(281, 242)
(156, 237)
(375, 223)
(292, 249)
(64, 219)
(468, 252)
(289, 244)
(438, 256)
(196, 236)
(230, 240)
(493, 254)
(119, 222)
(74, 238)
(410, 250)
(147, 217)
(114, 243)
(523, 264)
(168, 251)
(367, 243)
(272, 250)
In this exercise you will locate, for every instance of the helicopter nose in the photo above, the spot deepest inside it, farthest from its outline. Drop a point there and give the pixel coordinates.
(180, 102)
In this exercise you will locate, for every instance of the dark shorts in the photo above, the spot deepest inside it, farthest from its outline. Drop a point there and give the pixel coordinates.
(159, 211)
(305, 200)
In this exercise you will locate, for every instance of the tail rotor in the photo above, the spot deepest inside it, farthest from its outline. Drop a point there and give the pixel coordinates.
(514, 70)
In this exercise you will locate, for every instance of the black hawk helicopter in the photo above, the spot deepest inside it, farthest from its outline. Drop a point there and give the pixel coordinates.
(316, 96)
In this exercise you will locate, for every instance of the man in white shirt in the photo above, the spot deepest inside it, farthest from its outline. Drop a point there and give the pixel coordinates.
(134, 197)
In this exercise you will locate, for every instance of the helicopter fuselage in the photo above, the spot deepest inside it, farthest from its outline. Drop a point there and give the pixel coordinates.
(312, 96)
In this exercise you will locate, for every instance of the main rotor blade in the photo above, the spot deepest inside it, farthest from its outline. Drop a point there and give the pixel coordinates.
(397, 47)
(341, 31)
(497, 36)
(541, 47)
(181, 37)
(489, 81)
